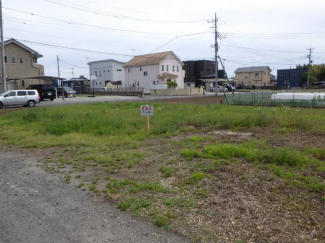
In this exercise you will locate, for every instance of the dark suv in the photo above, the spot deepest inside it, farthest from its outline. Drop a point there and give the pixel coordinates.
(46, 91)
(68, 92)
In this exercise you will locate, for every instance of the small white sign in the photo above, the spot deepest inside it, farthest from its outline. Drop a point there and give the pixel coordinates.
(146, 110)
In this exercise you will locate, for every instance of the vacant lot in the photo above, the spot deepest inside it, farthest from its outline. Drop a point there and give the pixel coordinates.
(215, 173)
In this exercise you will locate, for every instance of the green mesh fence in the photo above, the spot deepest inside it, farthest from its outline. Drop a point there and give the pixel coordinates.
(264, 99)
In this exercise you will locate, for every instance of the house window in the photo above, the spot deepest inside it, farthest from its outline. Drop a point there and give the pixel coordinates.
(129, 70)
(104, 71)
(173, 68)
(96, 73)
(281, 73)
(20, 59)
(162, 68)
(108, 71)
(257, 75)
(119, 70)
(23, 83)
(294, 73)
(100, 73)
(133, 84)
(177, 68)
(13, 59)
(246, 77)
(6, 60)
(154, 82)
(167, 68)
(145, 73)
(140, 68)
(138, 83)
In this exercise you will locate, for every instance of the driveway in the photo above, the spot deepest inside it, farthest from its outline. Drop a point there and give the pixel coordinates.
(38, 207)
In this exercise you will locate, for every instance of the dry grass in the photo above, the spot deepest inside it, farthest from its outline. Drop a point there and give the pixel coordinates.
(207, 199)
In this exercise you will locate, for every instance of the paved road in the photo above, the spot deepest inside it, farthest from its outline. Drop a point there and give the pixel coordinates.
(38, 207)
(85, 100)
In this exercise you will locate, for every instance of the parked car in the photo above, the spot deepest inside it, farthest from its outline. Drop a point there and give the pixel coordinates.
(219, 89)
(19, 98)
(68, 92)
(45, 91)
(230, 88)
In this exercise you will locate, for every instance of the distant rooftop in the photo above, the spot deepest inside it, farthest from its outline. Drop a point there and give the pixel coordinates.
(150, 59)
(252, 69)
(106, 60)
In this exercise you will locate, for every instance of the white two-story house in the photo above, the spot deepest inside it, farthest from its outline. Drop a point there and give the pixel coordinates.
(154, 71)
(109, 73)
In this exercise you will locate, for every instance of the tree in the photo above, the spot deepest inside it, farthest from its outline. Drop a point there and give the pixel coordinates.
(172, 84)
(316, 71)
(312, 78)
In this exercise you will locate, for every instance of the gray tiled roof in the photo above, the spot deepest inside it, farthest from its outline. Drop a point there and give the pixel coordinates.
(106, 60)
(252, 69)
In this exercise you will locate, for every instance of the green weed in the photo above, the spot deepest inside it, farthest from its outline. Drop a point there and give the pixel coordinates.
(190, 153)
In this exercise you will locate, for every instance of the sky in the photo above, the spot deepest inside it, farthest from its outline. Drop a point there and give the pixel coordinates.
(251, 33)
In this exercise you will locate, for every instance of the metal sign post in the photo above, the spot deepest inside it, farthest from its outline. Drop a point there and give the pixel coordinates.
(147, 110)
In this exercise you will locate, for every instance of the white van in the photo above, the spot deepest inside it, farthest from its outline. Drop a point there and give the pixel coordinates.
(19, 98)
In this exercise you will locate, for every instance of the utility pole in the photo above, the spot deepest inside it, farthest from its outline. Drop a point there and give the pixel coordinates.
(3, 65)
(62, 91)
(72, 73)
(216, 47)
(133, 51)
(310, 61)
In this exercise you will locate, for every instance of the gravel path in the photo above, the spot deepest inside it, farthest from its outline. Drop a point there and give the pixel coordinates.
(38, 207)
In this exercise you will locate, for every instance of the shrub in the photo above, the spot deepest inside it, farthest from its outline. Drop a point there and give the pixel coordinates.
(172, 84)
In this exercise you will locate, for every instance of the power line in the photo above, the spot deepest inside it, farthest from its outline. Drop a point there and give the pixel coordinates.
(135, 11)
(177, 38)
(88, 25)
(263, 49)
(107, 14)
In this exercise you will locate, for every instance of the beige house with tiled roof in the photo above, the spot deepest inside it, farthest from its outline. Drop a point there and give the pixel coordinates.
(254, 76)
(21, 62)
(153, 71)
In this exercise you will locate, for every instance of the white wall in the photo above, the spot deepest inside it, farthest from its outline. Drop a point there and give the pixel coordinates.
(106, 71)
(171, 61)
(134, 77)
